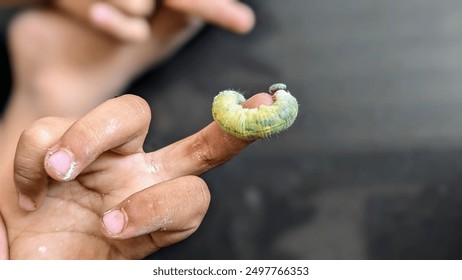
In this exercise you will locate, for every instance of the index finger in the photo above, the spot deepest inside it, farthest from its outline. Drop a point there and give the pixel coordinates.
(112, 20)
(204, 150)
(119, 124)
(229, 14)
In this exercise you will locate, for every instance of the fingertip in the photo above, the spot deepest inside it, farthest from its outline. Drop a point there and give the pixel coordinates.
(258, 99)
(31, 202)
(201, 187)
(137, 31)
(26, 203)
(141, 8)
(100, 13)
(60, 164)
(177, 205)
(242, 124)
(114, 222)
(114, 22)
(244, 19)
(240, 143)
(231, 15)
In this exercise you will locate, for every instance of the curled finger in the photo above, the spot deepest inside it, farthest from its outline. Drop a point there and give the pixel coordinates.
(140, 8)
(30, 176)
(170, 211)
(119, 125)
(125, 27)
(229, 14)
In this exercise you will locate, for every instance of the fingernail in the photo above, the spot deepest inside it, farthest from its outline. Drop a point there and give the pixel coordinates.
(26, 203)
(99, 13)
(114, 221)
(63, 163)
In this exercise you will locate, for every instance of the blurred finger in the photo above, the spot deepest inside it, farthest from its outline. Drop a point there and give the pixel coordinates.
(4, 248)
(204, 150)
(80, 11)
(135, 7)
(30, 177)
(228, 14)
(115, 22)
(177, 206)
(119, 124)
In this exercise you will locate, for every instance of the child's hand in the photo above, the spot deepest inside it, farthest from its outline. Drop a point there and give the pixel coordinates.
(87, 190)
(131, 20)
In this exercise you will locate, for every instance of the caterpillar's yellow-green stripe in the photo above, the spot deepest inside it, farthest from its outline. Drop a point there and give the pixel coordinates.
(253, 123)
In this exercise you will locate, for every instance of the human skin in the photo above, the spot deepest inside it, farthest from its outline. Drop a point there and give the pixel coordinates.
(49, 82)
(51, 55)
(130, 20)
(157, 195)
(63, 68)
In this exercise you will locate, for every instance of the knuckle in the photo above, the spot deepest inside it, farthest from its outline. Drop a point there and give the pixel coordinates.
(84, 134)
(205, 153)
(38, 134)
(202, 201)
(138, 107)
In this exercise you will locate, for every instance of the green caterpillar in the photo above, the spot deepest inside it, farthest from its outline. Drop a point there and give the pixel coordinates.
(254, 123)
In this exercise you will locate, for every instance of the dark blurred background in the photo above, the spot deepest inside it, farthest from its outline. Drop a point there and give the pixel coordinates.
(371, 169)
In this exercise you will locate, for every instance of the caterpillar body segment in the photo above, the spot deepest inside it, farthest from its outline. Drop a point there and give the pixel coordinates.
(253, 123)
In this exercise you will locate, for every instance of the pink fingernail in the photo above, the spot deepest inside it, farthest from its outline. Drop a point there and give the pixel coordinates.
(99, 13)
(62, 162)
(114, 221)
